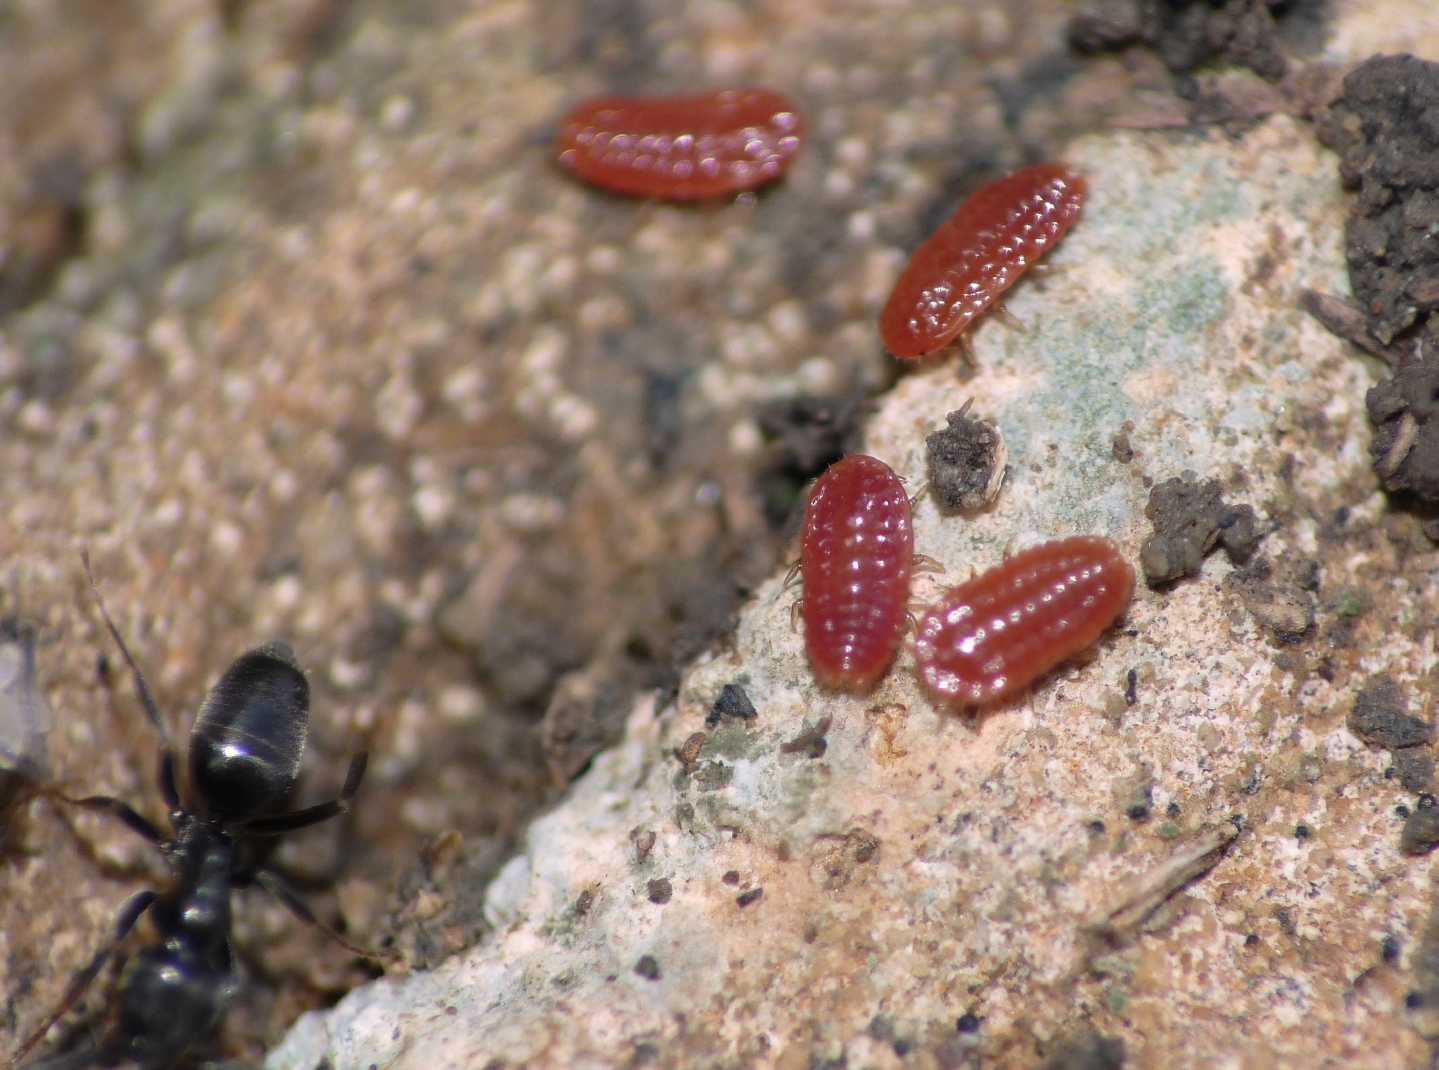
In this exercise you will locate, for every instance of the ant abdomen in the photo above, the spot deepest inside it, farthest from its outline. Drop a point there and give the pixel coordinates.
(249, 738)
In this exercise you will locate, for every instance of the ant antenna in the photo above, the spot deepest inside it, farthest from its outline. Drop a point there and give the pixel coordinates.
(146, 699)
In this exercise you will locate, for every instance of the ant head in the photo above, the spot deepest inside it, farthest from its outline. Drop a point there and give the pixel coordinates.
(249, 739)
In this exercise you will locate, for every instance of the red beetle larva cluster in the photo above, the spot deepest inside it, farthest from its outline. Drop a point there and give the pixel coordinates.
(986, 639)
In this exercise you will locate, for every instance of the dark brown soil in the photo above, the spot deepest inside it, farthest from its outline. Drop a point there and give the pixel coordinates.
(1190, 519)
(1188, 34)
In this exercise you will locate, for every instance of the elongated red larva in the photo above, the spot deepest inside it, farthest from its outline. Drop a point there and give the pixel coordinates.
(991, 637)
(681, 148)
(981, 251)
(856, 557)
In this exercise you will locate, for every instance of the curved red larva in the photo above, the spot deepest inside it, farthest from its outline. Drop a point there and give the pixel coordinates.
(681, 148)
(992, 636)
(981, 251)
(856, 557)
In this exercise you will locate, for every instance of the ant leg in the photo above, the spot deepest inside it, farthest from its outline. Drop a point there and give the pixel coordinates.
(925, 563)
(275, 885)
(63, 804)
(277, 824)
(108, 804)
(166, 775)
(127, 814)
(791, 578)
(129, 915)
(146, 699)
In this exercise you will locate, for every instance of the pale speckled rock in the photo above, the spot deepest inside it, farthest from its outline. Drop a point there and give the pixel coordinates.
(930, 864)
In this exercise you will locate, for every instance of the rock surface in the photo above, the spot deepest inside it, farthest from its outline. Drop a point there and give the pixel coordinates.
(1116, 853)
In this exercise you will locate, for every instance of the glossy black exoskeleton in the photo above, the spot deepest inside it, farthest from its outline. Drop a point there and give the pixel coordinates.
(246, 748)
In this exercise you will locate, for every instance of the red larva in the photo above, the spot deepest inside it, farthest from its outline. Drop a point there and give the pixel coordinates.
(856, 557)
(681, 148)
(981, 251)
(991, 637)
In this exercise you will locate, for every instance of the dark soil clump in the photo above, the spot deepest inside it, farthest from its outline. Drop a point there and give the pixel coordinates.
(1190, 518)
(1188, 34)
(965, 462)
(1385, 126)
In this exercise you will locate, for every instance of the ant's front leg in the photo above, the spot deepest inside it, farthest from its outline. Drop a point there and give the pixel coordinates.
(278, 824)
(132, 819)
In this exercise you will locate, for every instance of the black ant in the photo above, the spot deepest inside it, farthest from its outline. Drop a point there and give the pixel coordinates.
(246, 749)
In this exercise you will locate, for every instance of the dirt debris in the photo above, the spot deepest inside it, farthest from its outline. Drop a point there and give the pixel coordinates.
(965, 462)
(1385, 126)
(1190, 518)
(811, 740)
(1280, 596)
(1405, 448)
(1087, 1051)
(733, 704)
(1415, 769)
(1420, 834)
(1188, 34)
(1381, 717)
